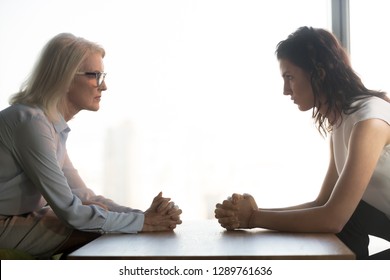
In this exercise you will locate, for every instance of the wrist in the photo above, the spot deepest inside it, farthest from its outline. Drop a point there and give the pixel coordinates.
(252, 219)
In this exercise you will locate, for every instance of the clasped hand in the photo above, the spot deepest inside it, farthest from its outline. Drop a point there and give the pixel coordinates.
(236, 211)
(162, 215)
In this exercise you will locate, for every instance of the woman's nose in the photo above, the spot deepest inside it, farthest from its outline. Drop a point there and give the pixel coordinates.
(103, 86)
(286, 89)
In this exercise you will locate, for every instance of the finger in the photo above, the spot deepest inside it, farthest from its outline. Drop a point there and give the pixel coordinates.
(226, 210)
(247, 195)
(157, 197)
(175, 211)
(251, 199)
(229, 224)
(174, 217)
(156, 200)
(165, 206)
(164, 218)
(228, 221)
(160, 198)
(172, 223)
(218, 205)
(177, 222)
(236, 197)
(222, 213)
(226, 204)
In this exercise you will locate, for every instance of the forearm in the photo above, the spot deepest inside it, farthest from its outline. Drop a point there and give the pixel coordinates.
(113, 206)
(316, 219)
(306, 205)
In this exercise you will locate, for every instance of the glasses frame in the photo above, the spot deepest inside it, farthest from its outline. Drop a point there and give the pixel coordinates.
(99, 76)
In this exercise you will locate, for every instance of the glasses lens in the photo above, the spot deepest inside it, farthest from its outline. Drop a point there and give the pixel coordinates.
(100, 78)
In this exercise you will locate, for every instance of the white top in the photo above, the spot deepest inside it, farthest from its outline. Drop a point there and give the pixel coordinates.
(35, 170)
(377, 193)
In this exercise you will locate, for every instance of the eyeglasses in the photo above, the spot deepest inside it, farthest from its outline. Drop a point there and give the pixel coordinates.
(98, 75)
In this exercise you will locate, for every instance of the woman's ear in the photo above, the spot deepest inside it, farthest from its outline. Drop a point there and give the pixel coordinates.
(321, 72)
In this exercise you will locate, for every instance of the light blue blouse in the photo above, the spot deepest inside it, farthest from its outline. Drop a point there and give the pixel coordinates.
(35, 170)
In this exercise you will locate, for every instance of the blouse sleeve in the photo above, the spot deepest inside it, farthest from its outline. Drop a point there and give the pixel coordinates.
(35, 149)
(79, 188)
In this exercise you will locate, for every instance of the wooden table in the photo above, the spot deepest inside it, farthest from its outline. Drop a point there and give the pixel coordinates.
(207, 240)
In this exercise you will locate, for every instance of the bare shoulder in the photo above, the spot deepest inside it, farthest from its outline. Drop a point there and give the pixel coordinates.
(376, 130)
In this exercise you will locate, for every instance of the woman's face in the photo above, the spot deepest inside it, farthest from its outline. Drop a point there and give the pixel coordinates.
(84, 93)
(297, 85)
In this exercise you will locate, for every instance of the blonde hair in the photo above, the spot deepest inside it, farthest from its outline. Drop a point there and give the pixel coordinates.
(53, 73)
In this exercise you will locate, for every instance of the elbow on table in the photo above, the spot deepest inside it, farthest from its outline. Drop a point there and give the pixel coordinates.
(334, 224)
(335, 228)
(330, 227)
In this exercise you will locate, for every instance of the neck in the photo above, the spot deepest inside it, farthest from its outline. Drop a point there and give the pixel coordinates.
(69, 112)
(332, 116)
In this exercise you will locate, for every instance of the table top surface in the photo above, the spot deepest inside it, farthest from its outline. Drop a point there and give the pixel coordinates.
(207, 240)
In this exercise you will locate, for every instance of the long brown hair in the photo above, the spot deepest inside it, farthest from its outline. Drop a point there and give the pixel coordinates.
(319, 53)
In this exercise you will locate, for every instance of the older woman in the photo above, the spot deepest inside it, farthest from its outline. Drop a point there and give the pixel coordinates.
(45, 207)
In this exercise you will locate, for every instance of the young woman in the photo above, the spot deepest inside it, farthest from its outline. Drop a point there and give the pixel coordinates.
(45, 207)
(354, 200)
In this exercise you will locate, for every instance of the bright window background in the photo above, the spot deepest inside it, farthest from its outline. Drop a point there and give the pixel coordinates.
(370, 44)
(194, 105)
